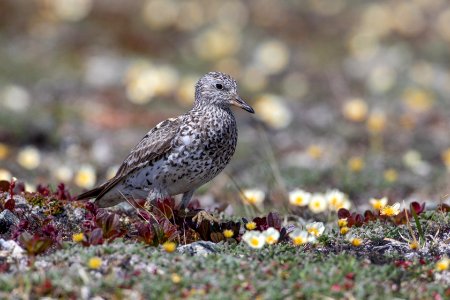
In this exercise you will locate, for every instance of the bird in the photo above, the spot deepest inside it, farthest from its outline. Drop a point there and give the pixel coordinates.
(179, 154)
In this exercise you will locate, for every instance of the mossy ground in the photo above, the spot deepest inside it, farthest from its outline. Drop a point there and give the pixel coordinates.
(383, 267)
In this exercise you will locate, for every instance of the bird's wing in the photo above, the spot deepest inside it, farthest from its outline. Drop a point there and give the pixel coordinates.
(152, 146)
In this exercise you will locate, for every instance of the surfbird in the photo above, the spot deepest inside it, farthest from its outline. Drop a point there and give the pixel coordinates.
(179, 154)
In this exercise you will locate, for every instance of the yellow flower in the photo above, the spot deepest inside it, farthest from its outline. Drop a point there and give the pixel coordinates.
(228, 233)
(63, 173)
(418, 100)
(318, 203)
(390, 175)
(95, 262)
(169, 246)
(443, 264)
(414, 245)
(378, 204)
(29, 158)
(78, 237)
(315, 151)
(355, 110)
(4, 151)
(301, 237)
(253, 197)
(250, 225)
(355, 241)
(376, 123)
(356, 164)
(272, 56)
(85, 177)
(272, 235)
(337, 200)
(446, 158)
(342, 222)
(175, 278)
(254, 239)
(344, 230)
(299, 197)
(390, 210)
(316, 228)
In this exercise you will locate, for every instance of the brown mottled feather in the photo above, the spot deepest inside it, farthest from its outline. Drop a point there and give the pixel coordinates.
(153, 145)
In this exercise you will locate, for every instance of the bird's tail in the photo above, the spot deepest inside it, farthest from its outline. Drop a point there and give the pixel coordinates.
(90, 194)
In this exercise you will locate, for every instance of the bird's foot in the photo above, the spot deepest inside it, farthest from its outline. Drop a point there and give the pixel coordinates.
(203, 215)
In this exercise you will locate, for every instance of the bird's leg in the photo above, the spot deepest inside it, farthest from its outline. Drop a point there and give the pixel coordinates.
(201, 215)
(186, 198)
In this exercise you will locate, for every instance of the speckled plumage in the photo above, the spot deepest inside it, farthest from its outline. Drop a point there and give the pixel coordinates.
(180, 154)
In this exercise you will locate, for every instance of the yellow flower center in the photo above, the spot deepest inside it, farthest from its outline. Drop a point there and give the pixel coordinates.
(315, 151)
(175, 278)
(95, 263)
(78, 237)
(344, 230)
(270, 240)
(389, 211)
(254, 242)
(299, 200)
(414, 245)
(169, 246)
(250, 225)
(356, 242)
(342, 222)
(313, 231)
(390, 175)
(228, 233)
(443, 265)
(299, 240)
(378, 205)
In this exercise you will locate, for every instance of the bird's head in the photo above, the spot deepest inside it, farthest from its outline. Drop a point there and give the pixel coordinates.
(219, 89)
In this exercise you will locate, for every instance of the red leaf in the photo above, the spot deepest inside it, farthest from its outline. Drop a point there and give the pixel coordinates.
(419, 208)
(273, 220)
(4, 186)
(343, 213)
(96, 237)
(369, 216)
(10, 204)
(145, 232)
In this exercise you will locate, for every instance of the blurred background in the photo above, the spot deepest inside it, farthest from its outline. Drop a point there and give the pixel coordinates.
(353, 95)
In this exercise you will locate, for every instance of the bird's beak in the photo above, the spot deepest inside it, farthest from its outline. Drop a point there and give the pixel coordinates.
(237, 101)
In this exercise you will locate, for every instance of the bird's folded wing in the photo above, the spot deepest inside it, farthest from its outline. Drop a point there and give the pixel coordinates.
(153, 145)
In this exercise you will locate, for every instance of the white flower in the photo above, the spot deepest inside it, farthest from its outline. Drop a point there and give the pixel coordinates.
(299, 197)
(378, 204)
(316, 228)
(318, 203)
(336, 200)
(254, 239)
(63, 173)
(85, 177)
(301, 237)
(5, 175)
(390, 210)
(253, 196)
(272, 235)
(29, 158)
(354, 240)
(273, 110)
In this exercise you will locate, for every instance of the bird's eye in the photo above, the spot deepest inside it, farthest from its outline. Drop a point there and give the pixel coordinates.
(219, 86)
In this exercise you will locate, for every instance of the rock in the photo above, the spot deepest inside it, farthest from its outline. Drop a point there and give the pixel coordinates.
(11, 250)
(202, 248)
(7, 219)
